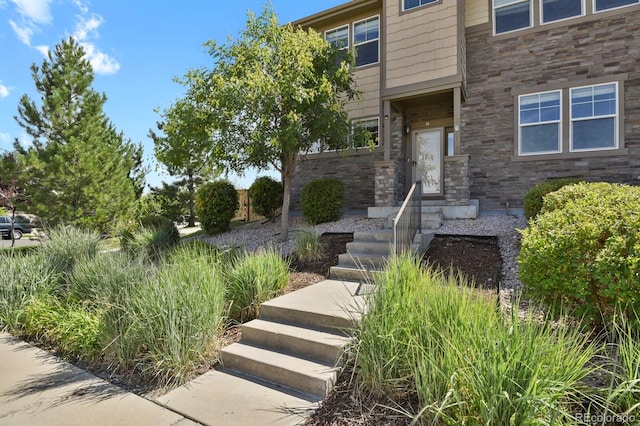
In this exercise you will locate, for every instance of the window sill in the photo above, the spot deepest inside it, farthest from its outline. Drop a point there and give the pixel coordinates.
(571, 155)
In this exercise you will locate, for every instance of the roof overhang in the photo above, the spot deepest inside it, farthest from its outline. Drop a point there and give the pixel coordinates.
(338, 13)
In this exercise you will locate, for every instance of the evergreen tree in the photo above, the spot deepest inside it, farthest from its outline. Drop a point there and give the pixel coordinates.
(79, 170)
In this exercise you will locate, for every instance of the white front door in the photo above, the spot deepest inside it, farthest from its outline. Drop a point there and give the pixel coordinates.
(427, 160)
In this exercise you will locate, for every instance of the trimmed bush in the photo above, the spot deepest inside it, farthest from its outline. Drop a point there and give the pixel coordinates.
(216, 204)
(583, 251)
(266, 196)
(322, 200)
(534, 197)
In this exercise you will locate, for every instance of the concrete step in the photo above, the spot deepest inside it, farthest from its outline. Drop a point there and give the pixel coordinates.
(329, 305)
(299, 341)
(306, 376)
(369, 247)
(381, 235)
(356, 275)
(356, 260)
(427, 209)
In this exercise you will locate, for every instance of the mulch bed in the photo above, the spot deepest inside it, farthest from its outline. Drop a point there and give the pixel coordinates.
(476, 258)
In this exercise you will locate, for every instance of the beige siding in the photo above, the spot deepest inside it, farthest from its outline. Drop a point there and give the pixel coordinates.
(476, 12)
(367, 82)
(422, 44)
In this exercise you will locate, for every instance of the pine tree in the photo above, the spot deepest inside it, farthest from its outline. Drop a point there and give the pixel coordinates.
(79, 169)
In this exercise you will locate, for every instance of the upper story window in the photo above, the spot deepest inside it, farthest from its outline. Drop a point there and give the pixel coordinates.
(556, 10)
(410, 4)
(366, 37)
(594, 117)
(338, 37)
(601, 5)
(511, 15)
(539, 122)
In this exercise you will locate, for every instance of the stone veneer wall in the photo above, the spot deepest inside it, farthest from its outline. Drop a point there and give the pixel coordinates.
(387, 191)
(456, 180)
(356, 170)
(572, 53)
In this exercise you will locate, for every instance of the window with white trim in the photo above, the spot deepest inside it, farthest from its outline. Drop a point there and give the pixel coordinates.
(367, 132)
(338, 37)
(601, 5)
(411, 4)
(539, 123)
(557, 10)
(366, 37)
(594, 117)
(511, 15)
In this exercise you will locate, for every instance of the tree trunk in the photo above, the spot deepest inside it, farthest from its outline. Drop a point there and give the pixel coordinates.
(286, 180)
(192, 195)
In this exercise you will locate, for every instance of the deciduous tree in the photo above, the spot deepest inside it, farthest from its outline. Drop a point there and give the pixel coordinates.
(271, 95)
(184, 147)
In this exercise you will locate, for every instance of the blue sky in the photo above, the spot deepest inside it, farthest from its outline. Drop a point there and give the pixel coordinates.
(135, 46)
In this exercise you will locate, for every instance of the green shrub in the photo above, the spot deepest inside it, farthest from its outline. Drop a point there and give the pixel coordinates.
(150, 235)
(266, 196)
(95, 281)
(255, 278)
(216, 204)
(69, 327)
(623, 395)
(427, 336)
(307, 246)
(534, 198)
(21, 279)
(166, 325)
(67, 246)
(582, 252)
(322, 200)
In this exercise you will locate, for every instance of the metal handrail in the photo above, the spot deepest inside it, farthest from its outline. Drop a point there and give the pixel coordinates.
(408, 221)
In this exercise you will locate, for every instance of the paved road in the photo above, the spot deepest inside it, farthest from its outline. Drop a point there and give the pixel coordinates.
(19, 243)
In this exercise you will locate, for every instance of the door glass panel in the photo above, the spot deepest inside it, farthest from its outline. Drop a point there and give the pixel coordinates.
(428, 161)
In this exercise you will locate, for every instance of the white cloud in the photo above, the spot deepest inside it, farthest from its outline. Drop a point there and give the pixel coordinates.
(87, 27)
(23, 32)
(5, 138)
(4, 91)
(34, 10)
(100, 61)
(44, 49)
(83, 7)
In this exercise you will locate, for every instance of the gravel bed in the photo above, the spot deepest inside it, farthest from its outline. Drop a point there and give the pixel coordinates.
(505, 227)
(254, 235)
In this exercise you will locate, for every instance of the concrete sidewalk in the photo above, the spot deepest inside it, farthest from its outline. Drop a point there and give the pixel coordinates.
(37, 388)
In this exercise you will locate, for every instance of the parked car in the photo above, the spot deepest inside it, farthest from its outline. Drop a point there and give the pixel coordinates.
(20, 226)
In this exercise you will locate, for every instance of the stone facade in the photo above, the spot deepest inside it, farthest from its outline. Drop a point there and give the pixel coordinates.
(575, 54)
(456, 180)
(387, 190)
(355, 168)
